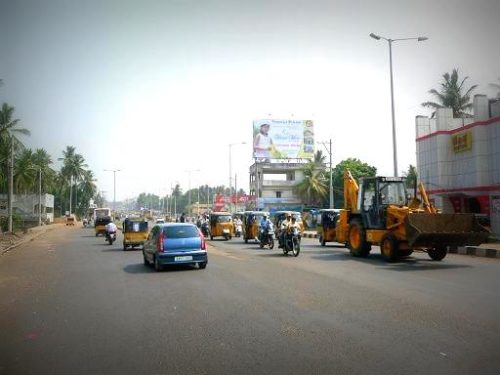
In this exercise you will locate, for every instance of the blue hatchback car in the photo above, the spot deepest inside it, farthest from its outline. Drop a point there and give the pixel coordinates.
(175, 243)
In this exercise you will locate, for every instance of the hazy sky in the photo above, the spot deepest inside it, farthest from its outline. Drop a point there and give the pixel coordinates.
(156, 88)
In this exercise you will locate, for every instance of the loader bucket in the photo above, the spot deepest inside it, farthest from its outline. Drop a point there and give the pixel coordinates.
(437, 230)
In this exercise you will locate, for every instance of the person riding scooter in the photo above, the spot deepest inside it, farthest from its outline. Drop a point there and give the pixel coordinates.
(110, 229)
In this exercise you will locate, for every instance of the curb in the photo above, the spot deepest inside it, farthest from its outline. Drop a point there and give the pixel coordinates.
(27, 238)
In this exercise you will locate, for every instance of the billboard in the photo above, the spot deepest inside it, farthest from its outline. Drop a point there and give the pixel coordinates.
(283, 139)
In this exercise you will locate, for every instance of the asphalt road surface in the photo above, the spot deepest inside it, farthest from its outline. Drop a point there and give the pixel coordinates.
(71, 304)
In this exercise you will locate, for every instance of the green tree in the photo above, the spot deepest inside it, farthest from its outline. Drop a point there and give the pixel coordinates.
(314, 187)
(451, 95)
(358, 169)
(410, 176)
(496, 86)
(72, 171)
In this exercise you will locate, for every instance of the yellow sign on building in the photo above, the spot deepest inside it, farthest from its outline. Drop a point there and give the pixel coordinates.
(462, 141)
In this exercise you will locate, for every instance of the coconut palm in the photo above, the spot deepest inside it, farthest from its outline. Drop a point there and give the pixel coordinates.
(8, 130)
(496, 86)
(73, 168)
(25, 173)
(313, 188)
(451, 95)
(43, 161)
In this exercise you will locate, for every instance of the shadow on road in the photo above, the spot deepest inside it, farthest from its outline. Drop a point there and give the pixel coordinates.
(403, 264)
(140, 268)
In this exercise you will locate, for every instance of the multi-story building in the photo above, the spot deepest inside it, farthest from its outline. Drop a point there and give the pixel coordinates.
(458, 160)
(271, 185)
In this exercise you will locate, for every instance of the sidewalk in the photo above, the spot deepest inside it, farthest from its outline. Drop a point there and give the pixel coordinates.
(9, 241)
(487, 250)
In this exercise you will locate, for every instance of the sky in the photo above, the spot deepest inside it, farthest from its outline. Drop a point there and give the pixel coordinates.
(158, 88)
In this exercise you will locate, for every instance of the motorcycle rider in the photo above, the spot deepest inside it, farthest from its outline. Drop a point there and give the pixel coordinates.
(265, 225)
(283, 229)
(110, 228)
(237, 226)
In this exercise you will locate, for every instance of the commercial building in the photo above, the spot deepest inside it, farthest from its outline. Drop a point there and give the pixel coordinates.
(26, 207)
(458, 159)
(272, 183)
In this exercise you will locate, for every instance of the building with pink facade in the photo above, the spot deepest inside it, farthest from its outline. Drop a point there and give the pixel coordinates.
(458, 160)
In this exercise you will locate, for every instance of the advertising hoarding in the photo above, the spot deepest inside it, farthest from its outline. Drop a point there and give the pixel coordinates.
(283, 139)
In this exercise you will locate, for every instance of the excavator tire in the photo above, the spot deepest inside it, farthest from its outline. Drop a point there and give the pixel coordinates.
(357, 239)
(437, 253)
(389, 248)
(405, 253)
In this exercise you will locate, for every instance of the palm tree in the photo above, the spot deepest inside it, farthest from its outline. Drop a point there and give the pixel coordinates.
(496, 86)
(42, 161)
(451, 95)
(25, 173)
(8, 131)
(313, 188)
(73, 169)
(410, 176)
(319, 158)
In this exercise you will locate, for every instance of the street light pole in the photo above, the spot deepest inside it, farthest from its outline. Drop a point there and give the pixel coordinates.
(114, 185)
(329, 150)
(39, 196)
(231, 173)
(390, 41)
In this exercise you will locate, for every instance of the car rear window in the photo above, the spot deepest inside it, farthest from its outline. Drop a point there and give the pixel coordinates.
(181, 231)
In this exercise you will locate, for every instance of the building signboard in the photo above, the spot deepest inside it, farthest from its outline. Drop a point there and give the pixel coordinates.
(283, 139)
(462, 141)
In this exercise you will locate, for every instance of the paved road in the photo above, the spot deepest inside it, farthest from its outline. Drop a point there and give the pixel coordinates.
(70, 304)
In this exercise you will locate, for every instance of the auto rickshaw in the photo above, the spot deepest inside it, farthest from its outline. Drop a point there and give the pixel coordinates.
(327, 219)
(100, 225)
(221, 225)
(135, 232)
(70, 220)
(251, 224)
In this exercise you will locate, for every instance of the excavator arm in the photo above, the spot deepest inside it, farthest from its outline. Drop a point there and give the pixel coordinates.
(351, 189)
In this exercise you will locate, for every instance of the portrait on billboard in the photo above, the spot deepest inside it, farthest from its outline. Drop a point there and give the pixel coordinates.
(283, 139)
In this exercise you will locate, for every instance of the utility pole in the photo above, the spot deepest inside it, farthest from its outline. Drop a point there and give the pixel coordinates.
(329, 150)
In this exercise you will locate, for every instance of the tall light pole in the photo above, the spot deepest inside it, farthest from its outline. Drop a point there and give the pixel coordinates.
(390, 41)
(39, 196)
(231, 173)
(114, 185)
(329, 150)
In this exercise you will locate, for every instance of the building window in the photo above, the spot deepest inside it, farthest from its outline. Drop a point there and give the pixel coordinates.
(278, 194)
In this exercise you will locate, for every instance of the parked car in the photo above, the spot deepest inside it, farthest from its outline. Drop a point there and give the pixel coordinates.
(175, 243)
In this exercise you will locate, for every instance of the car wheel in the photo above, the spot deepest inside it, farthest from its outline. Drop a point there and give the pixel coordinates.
(157, 265)
(357, 243)
(124, 247)
(389, 248)
(202, 265)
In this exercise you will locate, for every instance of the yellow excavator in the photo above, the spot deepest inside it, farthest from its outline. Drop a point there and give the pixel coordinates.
(378, 212)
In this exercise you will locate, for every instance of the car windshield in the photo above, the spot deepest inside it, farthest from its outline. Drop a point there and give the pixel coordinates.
(224, 219)
(392, 193)
(181, 231)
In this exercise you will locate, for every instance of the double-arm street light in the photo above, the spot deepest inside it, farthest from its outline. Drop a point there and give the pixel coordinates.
(390, 41)
(231, 172)
(114, 185)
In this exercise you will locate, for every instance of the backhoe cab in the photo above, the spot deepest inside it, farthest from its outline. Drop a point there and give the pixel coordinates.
(379, 212)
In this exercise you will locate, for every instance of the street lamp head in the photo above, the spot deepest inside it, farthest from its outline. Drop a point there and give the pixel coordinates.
(374, 36)
(421, 38)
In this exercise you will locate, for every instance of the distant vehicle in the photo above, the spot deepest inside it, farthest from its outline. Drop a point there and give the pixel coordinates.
(175, 243)
(160, 221)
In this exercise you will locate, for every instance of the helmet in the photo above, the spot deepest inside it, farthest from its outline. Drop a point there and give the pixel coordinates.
(288, 215)
(264, 216)
(294, 218)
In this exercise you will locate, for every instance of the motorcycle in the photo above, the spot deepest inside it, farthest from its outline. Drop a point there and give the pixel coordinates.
(111, 237)
(292, 242)
(266, 238)
(204, 229)
(238, 230)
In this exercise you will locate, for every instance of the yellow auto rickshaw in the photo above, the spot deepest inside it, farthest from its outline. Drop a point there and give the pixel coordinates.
(135, 232)
(221, 225)
(251, 224)
(70, 220)
(100, 225)
(327, 220)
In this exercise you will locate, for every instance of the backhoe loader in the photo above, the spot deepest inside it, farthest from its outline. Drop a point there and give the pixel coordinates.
(378, 212)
